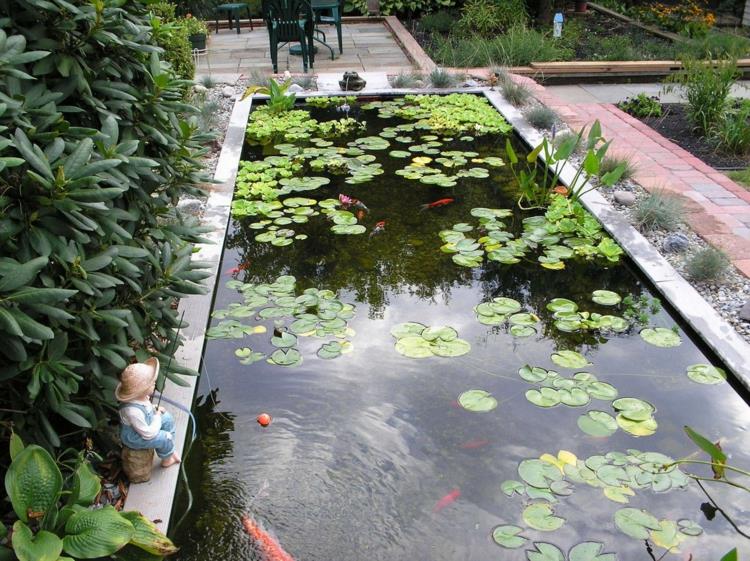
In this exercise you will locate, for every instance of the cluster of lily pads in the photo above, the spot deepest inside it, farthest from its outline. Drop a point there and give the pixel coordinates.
(416, 340)
(323, 102)
(420, 170)
(450, 114)
(311, 313)
(265, 126)
(618, 474)
(499, 310)
(568, 318)
(575, 234)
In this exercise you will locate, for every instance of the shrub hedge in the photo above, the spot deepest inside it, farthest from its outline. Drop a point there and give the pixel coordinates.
(96, 146)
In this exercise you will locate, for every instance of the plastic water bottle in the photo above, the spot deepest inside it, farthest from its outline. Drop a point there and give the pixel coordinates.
(557, 23)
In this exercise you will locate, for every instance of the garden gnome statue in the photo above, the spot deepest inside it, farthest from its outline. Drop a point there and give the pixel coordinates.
(143, 428)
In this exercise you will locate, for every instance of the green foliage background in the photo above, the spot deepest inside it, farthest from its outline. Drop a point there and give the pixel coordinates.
(96, 145)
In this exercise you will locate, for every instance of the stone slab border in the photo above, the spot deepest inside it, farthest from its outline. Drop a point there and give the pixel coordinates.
(155, 498)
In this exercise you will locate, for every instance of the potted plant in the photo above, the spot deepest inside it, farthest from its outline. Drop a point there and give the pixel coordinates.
(197, 31)
(581, 6)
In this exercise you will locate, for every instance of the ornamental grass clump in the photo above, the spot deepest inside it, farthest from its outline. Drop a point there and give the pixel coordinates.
(542, 117)
(516, 93)
(658, 211)
(440, 78)
(610, 163)
(406, 80)
(706, 264)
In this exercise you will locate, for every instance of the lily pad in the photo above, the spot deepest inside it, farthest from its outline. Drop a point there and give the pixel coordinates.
(562, 305)
(478, 401)
(597, 423)
(533, 374)
(544, 397)
(456, 347)
(414, 347)
(689, 528)
(545, 552)
(569, 359)
(706, 374)
(589, 551)
(637, 428)
(602, 390)
(511, 487)
(248, 356)
(661, 337)
(522, 330)
(348, 229)
(407, 329)
(399, 153)
(634, 409)
(331, 350)
(538, 473)
(284, 340)
(636, 523)
(667, 536)
(540, 516)
(508, 536)
(286, 357)
(523, 319)
(606, 297)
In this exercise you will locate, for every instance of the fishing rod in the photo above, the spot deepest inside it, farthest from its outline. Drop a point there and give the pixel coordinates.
(169, 362)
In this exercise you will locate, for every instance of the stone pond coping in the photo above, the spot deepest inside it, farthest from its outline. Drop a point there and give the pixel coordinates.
(155, 498)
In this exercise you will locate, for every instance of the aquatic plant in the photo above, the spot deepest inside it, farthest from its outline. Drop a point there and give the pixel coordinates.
(293, 125)
(535, 190)
(311, 313)
(661, 337)
(449, 114)
(324, 102)
(416, 340)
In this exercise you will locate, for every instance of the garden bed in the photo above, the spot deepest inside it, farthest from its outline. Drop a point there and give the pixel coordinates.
(675, 125)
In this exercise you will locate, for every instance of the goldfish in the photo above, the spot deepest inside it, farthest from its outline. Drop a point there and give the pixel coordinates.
(474, 444)
(360, 214)
(438, 203)
(446, 500)
(234, 270)
(348, 201)
(379, 227)
(267, 544)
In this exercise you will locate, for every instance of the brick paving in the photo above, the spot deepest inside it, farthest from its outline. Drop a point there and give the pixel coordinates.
(718, 208)
(367, 47)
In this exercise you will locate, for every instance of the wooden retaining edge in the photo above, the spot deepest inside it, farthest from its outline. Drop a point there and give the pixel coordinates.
(409, 45)
(651, 29)
(261, 23)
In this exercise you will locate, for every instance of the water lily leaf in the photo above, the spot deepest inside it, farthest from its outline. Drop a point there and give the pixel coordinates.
(478, 401)
(523, 319)
(462, 227)
(522, 331)
(590, 551)
(248, 356)
(491, 213)
(505, 305)
(538, 473)
(597, 423)
(443, 333)
(606, 297)
(414, 347)
(667, 536)
(284, 340)
(273, 312)
(286, 357)
(508, 536)
(455, 347)
(294, 202)
(545, 552)
(511, 487)
(533, 374)
(540, 516)
(661, 337)
(574, 397)
(569, 359)
(303, 326)
(348, 229)
(265, 237)
(636, 523)
(545, 397)
(399, 153)
(633, 408)
(619, 494)
(467, 261)
(562, 305)
(535, 493)
(408, 329)
(612, 476)
(331, 350)
(706, 374)
(689, 528)
(281, 242)
(602, 390)
(637, 428)
(561, 488)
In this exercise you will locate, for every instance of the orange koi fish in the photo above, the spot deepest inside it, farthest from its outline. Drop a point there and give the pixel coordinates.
(436, 204)
(379, 227)
(241, 267)
(446, 500)
(474, 444)
(268, 546)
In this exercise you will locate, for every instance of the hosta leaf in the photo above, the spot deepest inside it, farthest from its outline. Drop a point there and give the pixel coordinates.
(33, 482)
(96, 533)
(147, 536)
(44, 546)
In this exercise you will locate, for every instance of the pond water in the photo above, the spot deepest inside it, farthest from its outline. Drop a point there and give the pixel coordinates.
(370, 455)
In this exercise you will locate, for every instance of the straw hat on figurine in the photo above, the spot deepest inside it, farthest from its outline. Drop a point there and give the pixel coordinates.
(137, 379)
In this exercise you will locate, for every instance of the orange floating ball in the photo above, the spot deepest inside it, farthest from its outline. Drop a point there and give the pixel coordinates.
(264, 419)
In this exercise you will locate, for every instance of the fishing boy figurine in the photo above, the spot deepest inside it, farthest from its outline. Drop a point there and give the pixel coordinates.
(142, 426)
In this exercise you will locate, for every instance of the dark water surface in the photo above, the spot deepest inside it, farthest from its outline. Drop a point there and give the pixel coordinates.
(362, 447)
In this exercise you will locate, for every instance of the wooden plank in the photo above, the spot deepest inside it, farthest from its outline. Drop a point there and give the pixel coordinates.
(653, 30)
(409, 44)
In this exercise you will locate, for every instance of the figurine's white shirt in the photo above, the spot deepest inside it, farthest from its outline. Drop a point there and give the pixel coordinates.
(136, 418)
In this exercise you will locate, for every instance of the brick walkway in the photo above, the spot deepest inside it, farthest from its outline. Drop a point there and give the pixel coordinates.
(718, 208)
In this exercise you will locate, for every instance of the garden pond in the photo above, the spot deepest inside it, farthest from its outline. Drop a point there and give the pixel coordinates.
(449, 378)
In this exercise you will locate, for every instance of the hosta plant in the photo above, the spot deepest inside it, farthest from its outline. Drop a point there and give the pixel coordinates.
(56, 521)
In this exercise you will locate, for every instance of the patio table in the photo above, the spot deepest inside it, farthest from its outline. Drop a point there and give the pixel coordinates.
(233, 11)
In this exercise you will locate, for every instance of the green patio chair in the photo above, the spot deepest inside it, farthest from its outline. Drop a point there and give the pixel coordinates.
(290, 21)
(336, 8)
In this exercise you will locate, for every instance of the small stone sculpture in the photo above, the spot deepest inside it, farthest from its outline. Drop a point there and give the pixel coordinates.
(352, 82)
(143, 428)
(675, 243)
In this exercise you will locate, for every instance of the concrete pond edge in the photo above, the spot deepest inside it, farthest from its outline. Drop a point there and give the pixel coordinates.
(155, 498)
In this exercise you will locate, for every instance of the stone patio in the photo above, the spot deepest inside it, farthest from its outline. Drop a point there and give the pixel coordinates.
(367, 47)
